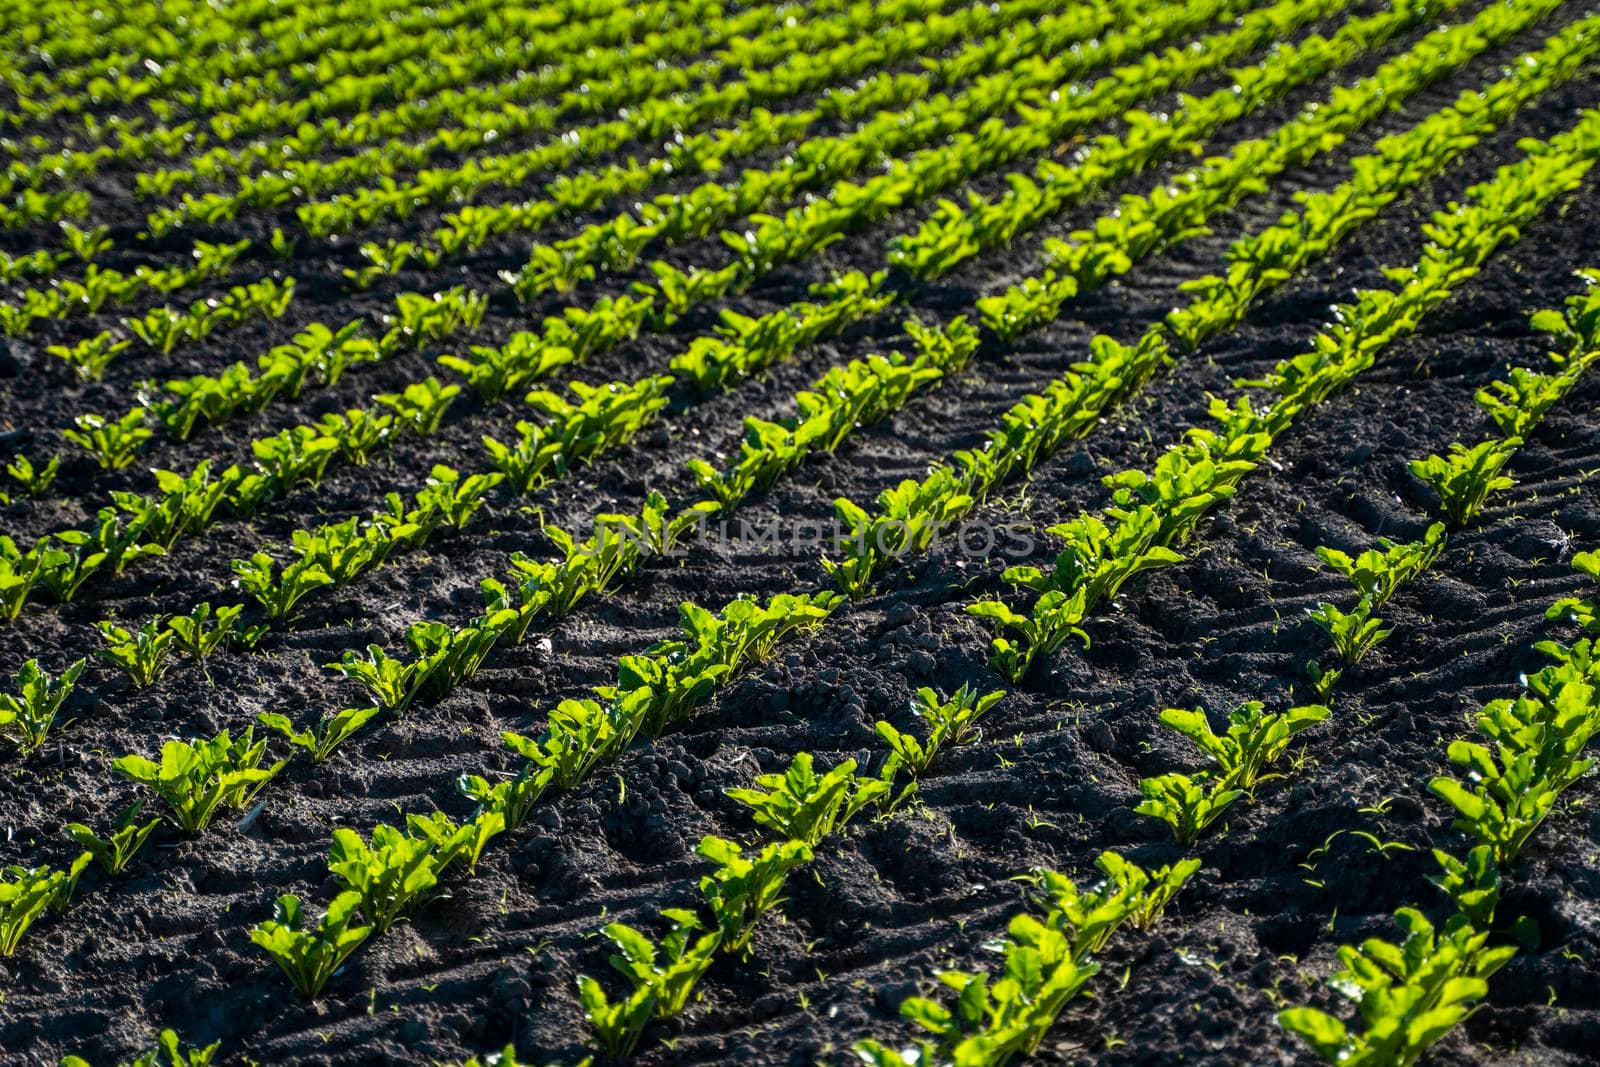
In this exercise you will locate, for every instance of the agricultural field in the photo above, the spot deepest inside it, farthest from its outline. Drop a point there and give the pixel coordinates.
(824, 531)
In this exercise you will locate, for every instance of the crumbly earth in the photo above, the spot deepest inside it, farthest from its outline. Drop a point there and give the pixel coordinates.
(890, 903)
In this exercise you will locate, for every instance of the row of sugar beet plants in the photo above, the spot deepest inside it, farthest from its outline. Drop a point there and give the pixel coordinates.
(69, 297)
(618, 242)
(334, 554)
(1222, 180)
(317, 356)
(1407, 1007)
(1155, 510)
(804, 808)
(613, 320)
(583, 734)
(134, 441)
(139, 525)
(1459, 243)
(277, 187)
(1049, 958)
(954, 233)
(801, 808)
(604, 418)
(181, 406)
(58, 300)
(122, 138)
(774, 241)
(654, 690)
(475, 108)
(493, 112)
(79, 245)
(397, 870)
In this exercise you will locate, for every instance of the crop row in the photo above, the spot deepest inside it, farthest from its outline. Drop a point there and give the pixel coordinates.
(1463, 480)
(910, 514)
(197, 779)
(278, 592)
(1016, 55)
(789, 50)
(1047, 960)
(803, 230)
(98, 287)
(66, 298)
(479, 111)
(618, 242)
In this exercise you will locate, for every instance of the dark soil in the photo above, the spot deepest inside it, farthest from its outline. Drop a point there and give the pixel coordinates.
(888, 904)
